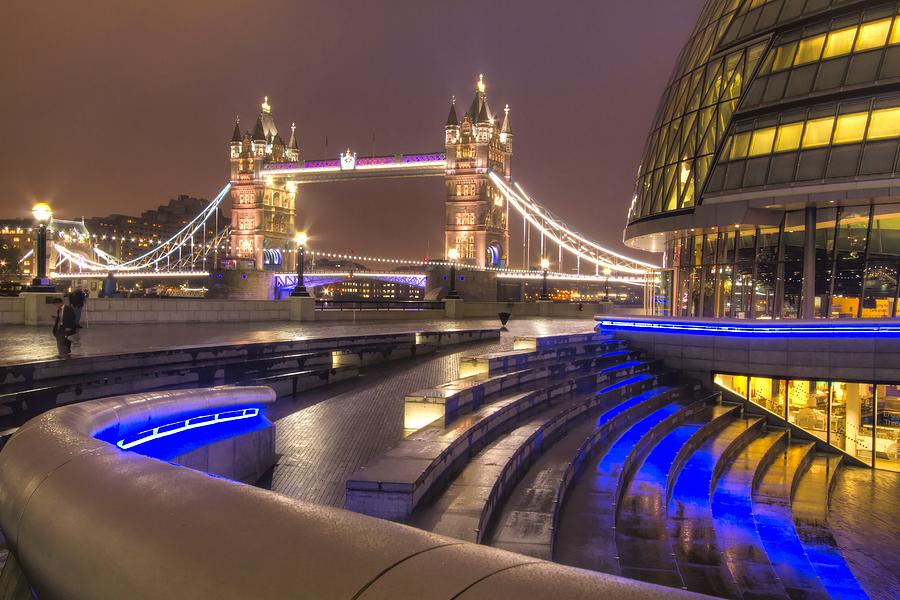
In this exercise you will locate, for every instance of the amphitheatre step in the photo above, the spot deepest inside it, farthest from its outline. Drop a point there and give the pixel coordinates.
(587, 528)
(448, 400)
(528, 518)
(542, 342)
(394, 485)
(457, 511)
(498, 362)
(810, 512)
(735, 530)
(689, 508)
(775, 524)
(642, 535)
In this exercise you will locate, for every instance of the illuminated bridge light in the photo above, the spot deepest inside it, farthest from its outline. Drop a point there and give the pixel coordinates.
(170, 429)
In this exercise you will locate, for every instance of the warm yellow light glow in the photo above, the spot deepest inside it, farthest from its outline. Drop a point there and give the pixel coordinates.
(607, 271)
(788, 137)
(809, 50)
(818, 132)
(452, 253)
(850, 128)
(545, 263)
(266, 107)
(840, 42)
(42, 212)
(762, 140)
(301, 238)
(481, 86)
(872, 35)
(885, 123)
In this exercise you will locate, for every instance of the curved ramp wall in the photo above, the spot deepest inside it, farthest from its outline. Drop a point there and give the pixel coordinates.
(86, 519)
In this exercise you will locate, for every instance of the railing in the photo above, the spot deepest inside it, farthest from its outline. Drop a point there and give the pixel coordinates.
(93, 504)
(341, 305)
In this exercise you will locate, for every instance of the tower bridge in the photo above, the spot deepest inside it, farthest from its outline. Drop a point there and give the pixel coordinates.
(481, 198)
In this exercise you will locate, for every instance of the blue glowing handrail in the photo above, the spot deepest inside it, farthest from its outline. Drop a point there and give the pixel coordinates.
(168, 429)
(754, 329)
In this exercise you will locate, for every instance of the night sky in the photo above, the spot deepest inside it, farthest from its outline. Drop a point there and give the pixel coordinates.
(116, 106)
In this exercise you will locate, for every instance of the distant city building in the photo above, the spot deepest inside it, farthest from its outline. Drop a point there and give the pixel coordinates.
(771, 172)
(126, 236)
(16, 243)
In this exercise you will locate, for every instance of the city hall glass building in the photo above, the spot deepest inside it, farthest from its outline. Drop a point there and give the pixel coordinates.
(771, 174)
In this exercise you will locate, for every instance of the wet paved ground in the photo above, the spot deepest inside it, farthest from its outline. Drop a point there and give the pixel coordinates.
(323, 436)
(19, 343)
(865, 523)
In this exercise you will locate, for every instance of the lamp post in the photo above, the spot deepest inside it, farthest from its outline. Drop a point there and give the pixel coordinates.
(300, 289)
(606, 271)
(453, 254)
(545, 265)
(42, 216)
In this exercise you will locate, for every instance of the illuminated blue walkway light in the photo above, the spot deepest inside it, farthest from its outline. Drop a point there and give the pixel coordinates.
(169, 429)
(754, 329)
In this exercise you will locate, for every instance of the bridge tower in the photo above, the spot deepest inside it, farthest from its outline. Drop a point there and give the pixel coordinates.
(262, 208)
(477, 214)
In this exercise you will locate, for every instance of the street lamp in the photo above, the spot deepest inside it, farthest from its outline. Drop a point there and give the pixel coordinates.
(453, 254)
(42, 216)
(606, 271)
(545, 265)
(300, 289)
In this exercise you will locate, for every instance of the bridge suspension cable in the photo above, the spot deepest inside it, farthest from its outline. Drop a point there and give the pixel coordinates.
(565, 236)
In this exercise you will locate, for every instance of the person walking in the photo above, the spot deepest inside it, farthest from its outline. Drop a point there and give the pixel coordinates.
(63, 327)
(76, 300)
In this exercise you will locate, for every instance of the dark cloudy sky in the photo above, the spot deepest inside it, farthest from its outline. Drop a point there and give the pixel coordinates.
(117, 105)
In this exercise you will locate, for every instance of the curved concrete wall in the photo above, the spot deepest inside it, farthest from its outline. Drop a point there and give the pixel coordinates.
(87, 520)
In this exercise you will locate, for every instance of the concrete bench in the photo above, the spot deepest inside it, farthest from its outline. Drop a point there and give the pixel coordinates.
(498, 362)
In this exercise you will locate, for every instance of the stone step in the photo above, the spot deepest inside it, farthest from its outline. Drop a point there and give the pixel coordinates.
(394, 485)
(450, 399)
(541, 342)
(530, 516)
(642, 534)
(735, 530)
(499, 362)
(689, 508)
(587, 536)
(774, 521)
(810, 513)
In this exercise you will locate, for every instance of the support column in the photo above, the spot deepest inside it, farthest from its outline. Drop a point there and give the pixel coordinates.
(808, 295)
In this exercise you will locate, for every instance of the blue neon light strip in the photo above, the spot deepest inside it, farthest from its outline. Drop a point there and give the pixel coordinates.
(755, 329)
(180, 426)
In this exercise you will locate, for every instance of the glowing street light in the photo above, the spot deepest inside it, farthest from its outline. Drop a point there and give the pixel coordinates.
(300, 290)
(453, 255)
(545, 265)
(42, 216)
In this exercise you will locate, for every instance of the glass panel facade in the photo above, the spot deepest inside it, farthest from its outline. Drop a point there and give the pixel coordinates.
(757, 272)
(862, 419)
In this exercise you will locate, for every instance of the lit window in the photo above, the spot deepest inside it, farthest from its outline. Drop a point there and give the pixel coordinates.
(818, 132)
(895, 32)
(840, 42)
(809, 50)
(762, 141)
(740, 145)
(885, 124)
(850, 128)
(788, 137)
(784, 56)
(872, 35)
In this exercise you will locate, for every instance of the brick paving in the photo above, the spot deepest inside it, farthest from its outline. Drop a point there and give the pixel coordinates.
(323, 436)
(20, 343)
(864, 523)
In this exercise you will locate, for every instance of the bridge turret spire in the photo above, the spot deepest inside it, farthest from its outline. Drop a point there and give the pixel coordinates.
(259, 132)
(292, 142)
(507, 129)
(452, 120)
(236, 134)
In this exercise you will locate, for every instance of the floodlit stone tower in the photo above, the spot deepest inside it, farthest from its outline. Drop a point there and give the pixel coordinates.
(477, 213)
(262, 208)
